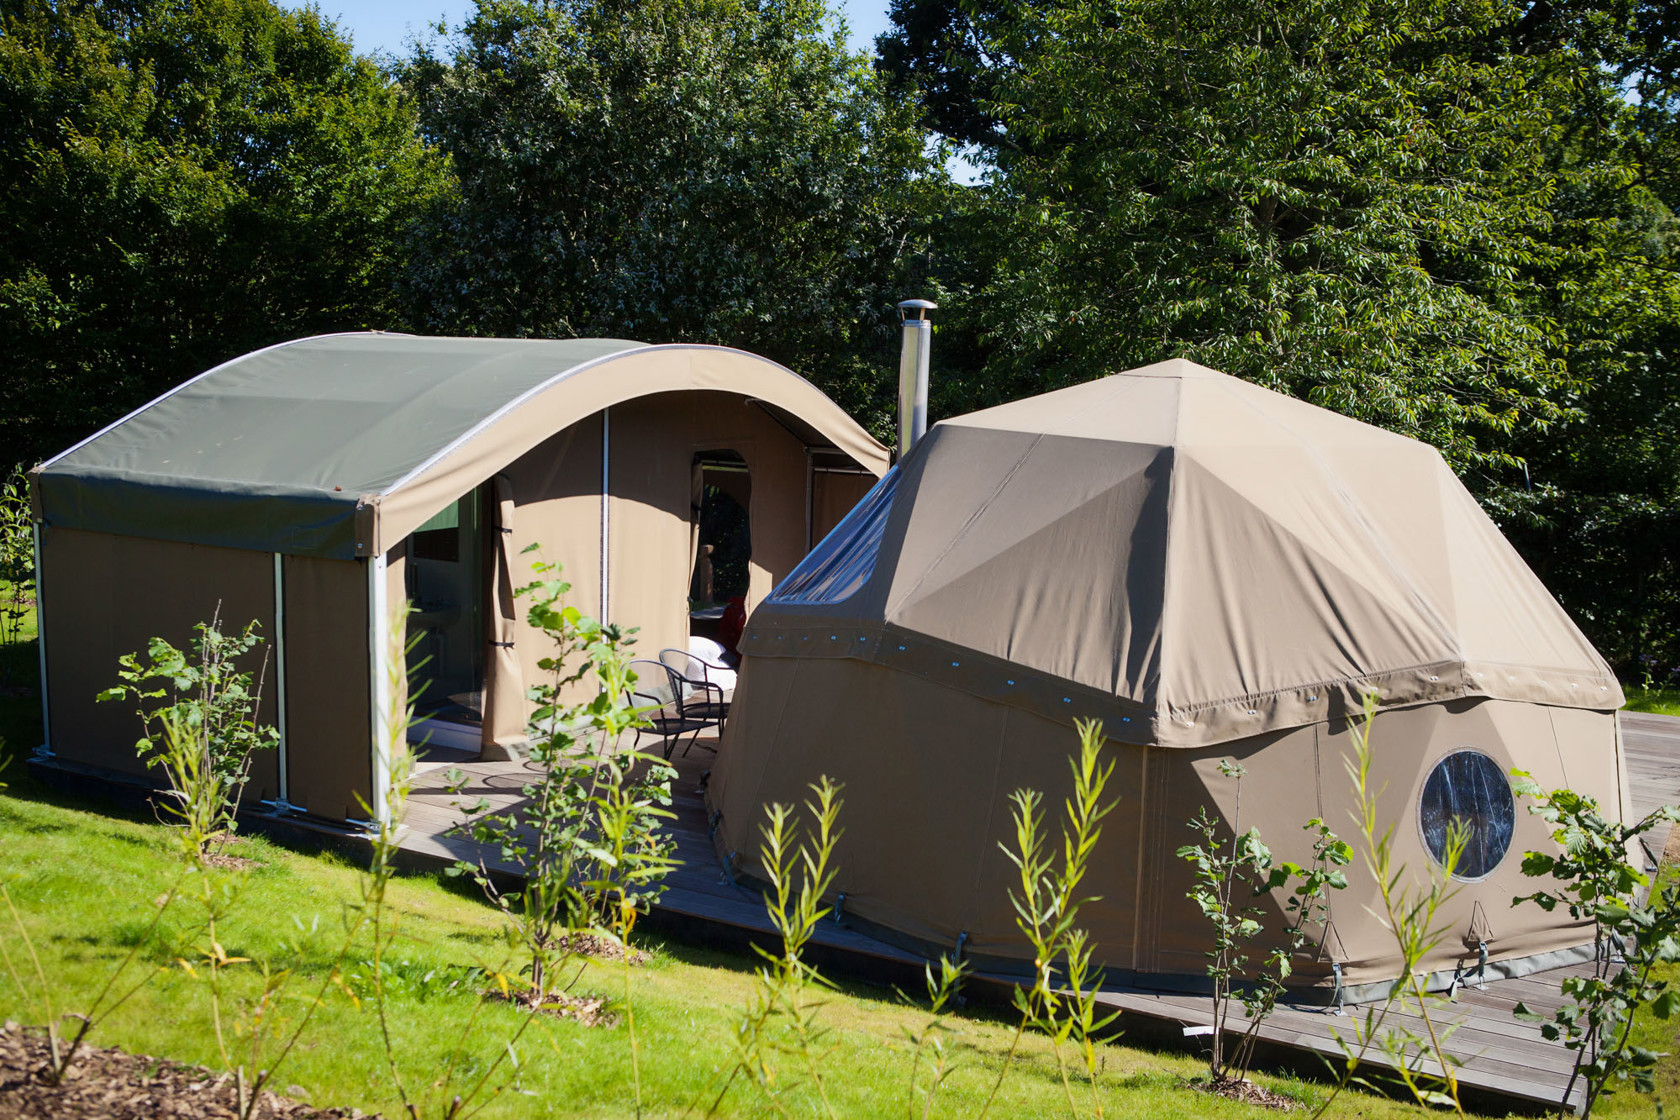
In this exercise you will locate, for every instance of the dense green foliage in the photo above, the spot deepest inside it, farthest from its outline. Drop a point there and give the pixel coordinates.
(182, 181)
(1452, 219)
(716, 171)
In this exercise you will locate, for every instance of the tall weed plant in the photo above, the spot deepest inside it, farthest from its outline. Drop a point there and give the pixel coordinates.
(1061, 1000)
(1411, 912)
(781, 1023)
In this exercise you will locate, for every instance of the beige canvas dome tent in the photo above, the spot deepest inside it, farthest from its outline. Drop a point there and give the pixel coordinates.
(1214, 570)
(315, 484)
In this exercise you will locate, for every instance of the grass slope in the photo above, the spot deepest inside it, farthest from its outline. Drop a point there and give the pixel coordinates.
(83, 883)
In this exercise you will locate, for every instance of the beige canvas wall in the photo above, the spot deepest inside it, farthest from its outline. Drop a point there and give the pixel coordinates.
(557, 495)
(654, 440)
(928, 772)
(328, 717)
(104, 596)
(557, 504)
(833, 494)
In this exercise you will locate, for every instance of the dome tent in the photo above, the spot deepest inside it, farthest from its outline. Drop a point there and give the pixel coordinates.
(1214, 570)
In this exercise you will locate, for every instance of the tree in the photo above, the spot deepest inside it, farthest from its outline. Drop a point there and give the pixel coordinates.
(1306, 194)
(182, 181)
(717, 171)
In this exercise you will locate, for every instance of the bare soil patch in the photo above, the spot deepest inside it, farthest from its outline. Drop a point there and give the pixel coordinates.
(110, 1084)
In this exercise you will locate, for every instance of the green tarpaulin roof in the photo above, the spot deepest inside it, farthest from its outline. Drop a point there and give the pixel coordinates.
(309, 428)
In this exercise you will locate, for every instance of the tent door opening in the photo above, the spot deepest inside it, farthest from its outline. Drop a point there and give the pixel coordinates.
(720, 539)
(444, 580)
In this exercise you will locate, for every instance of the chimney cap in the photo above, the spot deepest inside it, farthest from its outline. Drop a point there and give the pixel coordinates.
(920, 306)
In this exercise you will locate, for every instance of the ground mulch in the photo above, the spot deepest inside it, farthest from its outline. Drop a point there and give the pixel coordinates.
(602, 948)
(110, 1084)
(591, 1011)
(1245, 1091)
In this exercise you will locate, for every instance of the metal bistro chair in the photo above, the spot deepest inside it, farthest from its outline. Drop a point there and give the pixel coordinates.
(706, 696)
(659, 688)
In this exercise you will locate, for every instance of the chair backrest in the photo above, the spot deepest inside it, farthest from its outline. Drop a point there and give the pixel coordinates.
(655, 683)
(711, 657)
(684, 664)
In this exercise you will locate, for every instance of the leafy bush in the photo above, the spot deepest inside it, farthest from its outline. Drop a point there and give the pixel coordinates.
(200, 715)
(1593, 879)
(1228, 881)
(587, 834)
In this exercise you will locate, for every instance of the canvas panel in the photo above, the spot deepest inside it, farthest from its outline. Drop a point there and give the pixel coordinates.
(928, 772)
(654, 440)
(993, 583)
(1407, 745)
(104, 596)
(833, 494)
(505, 706)
(1270, 594)
(557, 506)
(273, 450)
(329, 719)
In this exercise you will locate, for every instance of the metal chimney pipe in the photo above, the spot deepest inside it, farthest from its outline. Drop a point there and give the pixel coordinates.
(913, 372)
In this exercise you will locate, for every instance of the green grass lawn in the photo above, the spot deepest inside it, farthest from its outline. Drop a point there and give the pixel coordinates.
(83, 883)
(1661, 701)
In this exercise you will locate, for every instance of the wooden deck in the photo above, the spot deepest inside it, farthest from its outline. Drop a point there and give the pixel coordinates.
(1506, 1063)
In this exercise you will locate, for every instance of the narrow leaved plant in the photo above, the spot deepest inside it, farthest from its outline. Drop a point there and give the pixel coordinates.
(929, 1052)
(1061, 1000)
(781, 1020)
(1411, 912)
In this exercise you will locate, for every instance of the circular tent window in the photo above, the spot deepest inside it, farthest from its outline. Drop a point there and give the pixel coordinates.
(1470, 786)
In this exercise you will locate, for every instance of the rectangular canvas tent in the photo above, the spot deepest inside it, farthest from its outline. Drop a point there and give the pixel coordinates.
(315, 485)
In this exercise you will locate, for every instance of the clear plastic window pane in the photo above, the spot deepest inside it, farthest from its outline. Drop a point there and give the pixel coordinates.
(1469, 786)
(841, 563)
